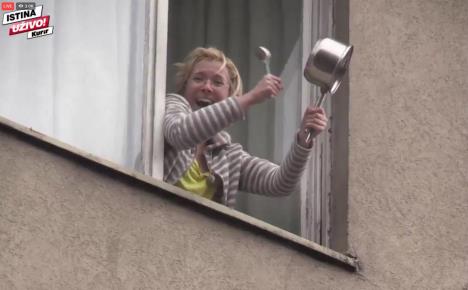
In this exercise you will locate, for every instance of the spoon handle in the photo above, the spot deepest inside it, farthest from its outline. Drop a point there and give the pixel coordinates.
(267, 66)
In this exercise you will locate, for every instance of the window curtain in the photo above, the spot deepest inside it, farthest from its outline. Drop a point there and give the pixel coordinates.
(84, 83)
(238, 28)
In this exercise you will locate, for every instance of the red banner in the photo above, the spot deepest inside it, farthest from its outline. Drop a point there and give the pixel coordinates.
(29, 25)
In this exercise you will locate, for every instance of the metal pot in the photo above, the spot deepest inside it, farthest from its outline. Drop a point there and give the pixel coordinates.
(326, 67)
(327, 64)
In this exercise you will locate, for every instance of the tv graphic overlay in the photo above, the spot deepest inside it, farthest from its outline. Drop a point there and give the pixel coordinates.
(26, 17)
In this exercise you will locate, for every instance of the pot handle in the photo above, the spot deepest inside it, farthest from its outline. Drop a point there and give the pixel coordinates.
(318, 104)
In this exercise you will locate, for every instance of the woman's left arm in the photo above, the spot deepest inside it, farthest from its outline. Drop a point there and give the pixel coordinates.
(264, 177)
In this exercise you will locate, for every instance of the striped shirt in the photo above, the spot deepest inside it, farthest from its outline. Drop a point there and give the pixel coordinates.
(233, 168)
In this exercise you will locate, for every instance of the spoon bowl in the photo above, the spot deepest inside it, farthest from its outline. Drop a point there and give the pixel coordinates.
(264, 55)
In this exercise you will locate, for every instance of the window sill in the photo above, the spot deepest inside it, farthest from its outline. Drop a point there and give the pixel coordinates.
(303, 245)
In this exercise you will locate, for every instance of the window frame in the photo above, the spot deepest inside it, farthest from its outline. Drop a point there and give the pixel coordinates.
(319, 197)
(154, 100)
(317, 22)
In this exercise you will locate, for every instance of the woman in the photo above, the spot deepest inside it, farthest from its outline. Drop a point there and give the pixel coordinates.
(199, 155)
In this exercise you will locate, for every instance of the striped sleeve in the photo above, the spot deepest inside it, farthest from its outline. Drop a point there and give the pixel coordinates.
(185, 129)
(264, 177)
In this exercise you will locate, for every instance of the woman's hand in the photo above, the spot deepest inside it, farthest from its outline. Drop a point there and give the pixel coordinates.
(314, 121)
(266, 88)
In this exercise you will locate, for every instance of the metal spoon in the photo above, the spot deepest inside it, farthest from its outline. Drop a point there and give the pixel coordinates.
(264, 55)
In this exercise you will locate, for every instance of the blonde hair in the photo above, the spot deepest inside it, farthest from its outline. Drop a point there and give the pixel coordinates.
(184, 69)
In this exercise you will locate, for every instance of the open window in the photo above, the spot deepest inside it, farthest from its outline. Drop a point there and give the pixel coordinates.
(289, 29)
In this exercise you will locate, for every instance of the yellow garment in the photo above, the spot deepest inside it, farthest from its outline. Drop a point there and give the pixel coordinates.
(196, 181)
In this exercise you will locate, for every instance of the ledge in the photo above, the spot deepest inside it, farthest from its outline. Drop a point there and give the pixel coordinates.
(303, 245)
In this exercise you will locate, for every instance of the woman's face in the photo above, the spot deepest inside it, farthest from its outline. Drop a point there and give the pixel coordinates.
(207, 84)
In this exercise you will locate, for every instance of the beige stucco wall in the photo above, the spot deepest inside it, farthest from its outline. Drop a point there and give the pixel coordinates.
(68, 224)
(409, 142)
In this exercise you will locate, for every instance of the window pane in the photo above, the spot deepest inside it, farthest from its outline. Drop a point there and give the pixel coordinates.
(84, 83)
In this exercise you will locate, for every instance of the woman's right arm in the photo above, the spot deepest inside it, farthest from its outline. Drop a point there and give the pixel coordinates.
(185, 129)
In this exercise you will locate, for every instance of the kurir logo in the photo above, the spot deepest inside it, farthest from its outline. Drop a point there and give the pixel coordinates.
(26, 18)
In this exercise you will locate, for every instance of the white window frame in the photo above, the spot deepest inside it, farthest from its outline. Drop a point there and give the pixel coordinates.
(317, 22)
(153, 105)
